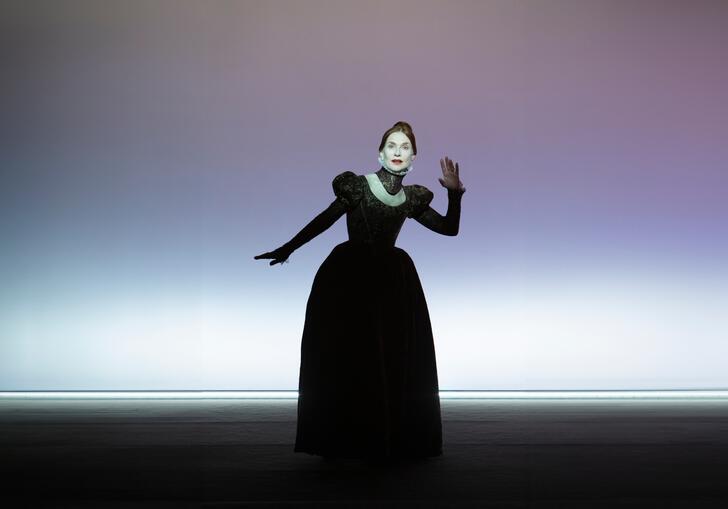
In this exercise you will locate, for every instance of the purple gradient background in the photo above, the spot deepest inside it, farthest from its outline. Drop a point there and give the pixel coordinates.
(151, 148)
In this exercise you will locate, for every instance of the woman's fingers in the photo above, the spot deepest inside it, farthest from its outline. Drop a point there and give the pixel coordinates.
(450, 172)
(445, 165)
(266, 256)
(273, 256)
(448, 165)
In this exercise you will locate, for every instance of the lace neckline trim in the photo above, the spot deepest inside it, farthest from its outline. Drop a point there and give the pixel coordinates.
(381, 193)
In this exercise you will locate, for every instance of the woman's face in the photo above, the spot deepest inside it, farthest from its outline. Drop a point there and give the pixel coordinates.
(397, 152)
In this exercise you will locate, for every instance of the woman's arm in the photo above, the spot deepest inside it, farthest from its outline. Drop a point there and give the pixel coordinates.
(450, 180)
(449, 224)
(318, 225)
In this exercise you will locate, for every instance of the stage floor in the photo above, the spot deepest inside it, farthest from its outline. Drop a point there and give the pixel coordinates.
(238, 453)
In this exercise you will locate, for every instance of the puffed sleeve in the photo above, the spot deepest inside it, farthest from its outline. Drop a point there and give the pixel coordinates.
(347, 188)
(421, 198)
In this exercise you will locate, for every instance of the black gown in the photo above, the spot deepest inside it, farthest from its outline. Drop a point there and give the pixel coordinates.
(368, 383)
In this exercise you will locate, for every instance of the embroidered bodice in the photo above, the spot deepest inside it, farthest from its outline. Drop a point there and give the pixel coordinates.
(373, 216)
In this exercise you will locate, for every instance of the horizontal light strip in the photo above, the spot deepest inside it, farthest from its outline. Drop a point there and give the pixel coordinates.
(666, 394)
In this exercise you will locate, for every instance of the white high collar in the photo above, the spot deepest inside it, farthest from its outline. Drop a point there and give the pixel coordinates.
(381, 193)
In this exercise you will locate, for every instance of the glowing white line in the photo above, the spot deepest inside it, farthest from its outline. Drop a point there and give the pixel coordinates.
(665, 394)
(515, 395)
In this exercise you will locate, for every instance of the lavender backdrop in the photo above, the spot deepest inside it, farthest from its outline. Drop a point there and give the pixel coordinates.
(149, 149)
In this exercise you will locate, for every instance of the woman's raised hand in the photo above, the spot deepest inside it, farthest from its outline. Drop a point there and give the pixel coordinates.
(279, 255)
(451, 175)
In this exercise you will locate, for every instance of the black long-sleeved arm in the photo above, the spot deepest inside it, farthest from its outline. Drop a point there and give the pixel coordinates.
(318, 225)
(449, 224)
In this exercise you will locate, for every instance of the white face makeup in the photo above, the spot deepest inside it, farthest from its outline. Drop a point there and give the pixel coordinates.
(397, 156)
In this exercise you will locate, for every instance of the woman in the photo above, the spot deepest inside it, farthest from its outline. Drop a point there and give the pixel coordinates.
(368, 378)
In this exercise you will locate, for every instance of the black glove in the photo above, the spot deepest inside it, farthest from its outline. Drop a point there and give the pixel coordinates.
(279, 255)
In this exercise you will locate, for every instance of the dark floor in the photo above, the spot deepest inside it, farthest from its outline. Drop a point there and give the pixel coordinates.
(239, 453)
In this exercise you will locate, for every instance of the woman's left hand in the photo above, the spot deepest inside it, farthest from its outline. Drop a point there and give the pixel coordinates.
(451, 175)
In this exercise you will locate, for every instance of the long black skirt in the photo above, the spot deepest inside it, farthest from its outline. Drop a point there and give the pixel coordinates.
(368, 378)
